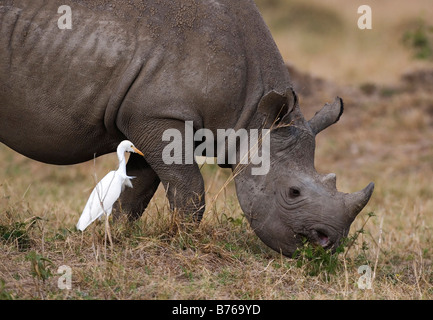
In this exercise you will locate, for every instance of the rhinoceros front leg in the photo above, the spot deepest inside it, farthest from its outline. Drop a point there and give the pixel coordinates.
(183, 182)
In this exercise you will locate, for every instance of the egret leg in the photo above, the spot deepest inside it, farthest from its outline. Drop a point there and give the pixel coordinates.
(108, 233)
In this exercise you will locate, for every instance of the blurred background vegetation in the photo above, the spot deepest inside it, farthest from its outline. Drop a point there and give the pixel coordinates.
(323, 38)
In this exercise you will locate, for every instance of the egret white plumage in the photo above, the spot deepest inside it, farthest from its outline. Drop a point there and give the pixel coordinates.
(108, 190)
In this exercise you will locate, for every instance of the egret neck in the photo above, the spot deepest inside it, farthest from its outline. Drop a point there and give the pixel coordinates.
(122, 161)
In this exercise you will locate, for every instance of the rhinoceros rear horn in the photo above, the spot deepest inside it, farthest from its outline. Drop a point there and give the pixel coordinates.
(327, 116)
(355, 202)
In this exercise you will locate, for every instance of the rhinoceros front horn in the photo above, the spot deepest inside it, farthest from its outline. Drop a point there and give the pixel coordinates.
(355, 202)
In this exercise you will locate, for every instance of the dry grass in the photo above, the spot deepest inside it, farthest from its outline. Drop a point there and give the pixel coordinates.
(385, 136)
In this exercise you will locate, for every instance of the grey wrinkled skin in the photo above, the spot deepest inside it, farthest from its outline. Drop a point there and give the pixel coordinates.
(132, 69)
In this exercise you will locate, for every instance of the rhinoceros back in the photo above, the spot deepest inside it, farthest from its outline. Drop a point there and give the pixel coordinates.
(66, 87)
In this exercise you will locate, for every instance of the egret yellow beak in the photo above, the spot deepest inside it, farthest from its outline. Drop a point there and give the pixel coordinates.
(138, 151)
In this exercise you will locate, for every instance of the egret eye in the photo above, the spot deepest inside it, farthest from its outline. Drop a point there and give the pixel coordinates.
(294, 192)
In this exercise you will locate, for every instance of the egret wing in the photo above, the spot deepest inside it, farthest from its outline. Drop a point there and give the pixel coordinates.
(101, 200)
(127, 182)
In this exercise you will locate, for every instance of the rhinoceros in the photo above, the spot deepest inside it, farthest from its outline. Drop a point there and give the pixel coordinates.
(133, 69)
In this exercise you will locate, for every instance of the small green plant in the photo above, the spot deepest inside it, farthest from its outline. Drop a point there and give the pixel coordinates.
(420, 40)
(18, 232)
(234, 221)
(188, 273)
(40, 270)
(317, 261)
(40, 266)
(4, 294)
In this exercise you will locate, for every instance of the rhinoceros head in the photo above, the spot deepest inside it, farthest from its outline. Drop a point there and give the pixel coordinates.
(293, 201)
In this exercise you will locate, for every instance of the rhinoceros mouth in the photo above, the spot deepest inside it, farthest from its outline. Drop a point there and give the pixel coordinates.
(321, 238)
(317, 236)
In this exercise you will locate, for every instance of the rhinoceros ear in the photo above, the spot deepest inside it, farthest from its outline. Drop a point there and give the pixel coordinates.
(329, 115)
(276, 106)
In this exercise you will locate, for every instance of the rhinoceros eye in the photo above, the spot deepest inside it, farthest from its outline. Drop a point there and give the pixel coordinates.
(294, 192)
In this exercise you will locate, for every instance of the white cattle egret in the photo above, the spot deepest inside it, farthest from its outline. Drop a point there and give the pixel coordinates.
(108, 190)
